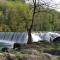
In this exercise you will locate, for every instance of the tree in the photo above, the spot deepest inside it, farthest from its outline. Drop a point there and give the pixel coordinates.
(29, 30)
(17, 15)
(13, 15)
(37, 4)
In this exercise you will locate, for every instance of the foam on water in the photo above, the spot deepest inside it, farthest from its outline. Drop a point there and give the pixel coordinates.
(19, 37)
(22, 37)
(5, 41)
(35, 37)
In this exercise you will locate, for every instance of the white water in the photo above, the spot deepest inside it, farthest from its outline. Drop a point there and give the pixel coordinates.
(7, 39)
(44, 36)
(22, 37)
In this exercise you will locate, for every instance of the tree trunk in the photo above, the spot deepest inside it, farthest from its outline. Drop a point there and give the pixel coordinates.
(29, 38)
(31, 26)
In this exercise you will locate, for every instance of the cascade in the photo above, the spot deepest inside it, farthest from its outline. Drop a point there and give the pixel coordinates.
(22, 37)
(19, 37)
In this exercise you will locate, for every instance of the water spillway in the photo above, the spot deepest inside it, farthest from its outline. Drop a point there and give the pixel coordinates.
(7, 39)
(48, 36)
(17, 37)
(22, 37)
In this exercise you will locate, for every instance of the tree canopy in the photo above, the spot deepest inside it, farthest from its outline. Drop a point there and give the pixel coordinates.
(17, 15)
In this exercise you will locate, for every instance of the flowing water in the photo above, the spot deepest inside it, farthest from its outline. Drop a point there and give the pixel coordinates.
(9, 38)
(22, 37)
(14, 36)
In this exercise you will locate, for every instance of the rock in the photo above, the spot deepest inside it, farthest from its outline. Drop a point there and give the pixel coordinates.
(5, 49)
(36, 57)
(17, 46)
(8, 57)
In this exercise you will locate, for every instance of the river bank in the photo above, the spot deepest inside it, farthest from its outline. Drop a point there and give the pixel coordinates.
(35, 51)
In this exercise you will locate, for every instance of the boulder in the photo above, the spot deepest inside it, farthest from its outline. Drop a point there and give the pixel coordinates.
(17, 46)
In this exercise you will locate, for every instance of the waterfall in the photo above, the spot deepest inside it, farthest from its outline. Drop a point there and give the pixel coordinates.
(22, 37)
(17, 37)
(48, 36)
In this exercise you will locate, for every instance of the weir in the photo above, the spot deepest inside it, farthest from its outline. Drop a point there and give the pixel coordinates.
(22, 37)
(17, 37)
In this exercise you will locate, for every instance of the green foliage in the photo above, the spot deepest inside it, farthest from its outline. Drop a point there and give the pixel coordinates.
(4, 28)
(55, 45)
(17, 0)
(15, 15)
(18, 14)
(47, 21)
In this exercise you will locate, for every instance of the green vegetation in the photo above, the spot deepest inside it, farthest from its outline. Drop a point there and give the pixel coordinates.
(18, 54)
(16, 16)
(13, 16)
(55, 45)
